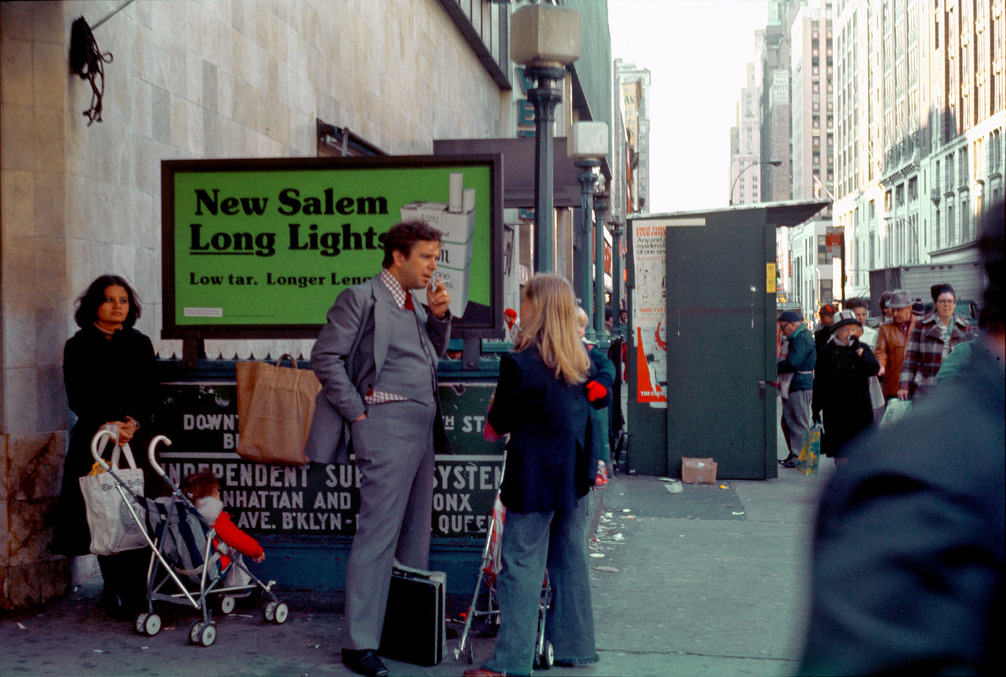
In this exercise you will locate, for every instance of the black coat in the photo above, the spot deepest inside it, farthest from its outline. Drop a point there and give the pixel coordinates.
(106, 380)
(909, 543)
(548, 465)
(842, 393)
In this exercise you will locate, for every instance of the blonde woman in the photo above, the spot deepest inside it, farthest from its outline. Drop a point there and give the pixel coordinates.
(544, 400)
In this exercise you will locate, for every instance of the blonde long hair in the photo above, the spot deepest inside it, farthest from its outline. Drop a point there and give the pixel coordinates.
(551, 327)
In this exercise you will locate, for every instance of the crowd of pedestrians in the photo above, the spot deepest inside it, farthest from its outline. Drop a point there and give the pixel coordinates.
(845, 374)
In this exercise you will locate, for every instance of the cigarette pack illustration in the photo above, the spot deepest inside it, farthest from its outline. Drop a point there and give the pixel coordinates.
(456, 221)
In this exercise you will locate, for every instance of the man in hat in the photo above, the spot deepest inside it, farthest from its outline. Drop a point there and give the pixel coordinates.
(891, 341)
(823, 333)
(799, 362)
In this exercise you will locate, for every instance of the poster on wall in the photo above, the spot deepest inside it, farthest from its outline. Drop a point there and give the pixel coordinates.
(649, 309)
(649, 305)
(261, 248)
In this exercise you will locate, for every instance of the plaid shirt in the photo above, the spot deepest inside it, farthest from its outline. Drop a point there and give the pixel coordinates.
(398, 293)
(924, 352)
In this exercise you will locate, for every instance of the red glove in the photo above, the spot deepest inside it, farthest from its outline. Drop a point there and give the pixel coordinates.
(490, 435)
(595, 391)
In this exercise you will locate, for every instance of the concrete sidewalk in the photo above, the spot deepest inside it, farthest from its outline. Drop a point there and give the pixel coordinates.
(709, 581)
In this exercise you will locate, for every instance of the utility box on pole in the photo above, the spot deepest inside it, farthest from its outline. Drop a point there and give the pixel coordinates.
(703, 356)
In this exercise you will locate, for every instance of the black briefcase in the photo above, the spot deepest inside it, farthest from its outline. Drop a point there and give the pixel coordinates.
(414, 622)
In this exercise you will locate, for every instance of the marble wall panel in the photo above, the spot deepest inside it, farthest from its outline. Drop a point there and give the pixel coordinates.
(19, 150)
(48, 204)
(30, 530)
(49, 72)
(17, 84)
(34, 466)
(18, 197)
(4, 539)
(36, 583)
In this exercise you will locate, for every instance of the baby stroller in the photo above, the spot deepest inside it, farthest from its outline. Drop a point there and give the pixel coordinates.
(185, 564)
(485, 589)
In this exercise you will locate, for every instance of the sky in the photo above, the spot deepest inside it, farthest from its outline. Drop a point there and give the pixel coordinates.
(696, 52)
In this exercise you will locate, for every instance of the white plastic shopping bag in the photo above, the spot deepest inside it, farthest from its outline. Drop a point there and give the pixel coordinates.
(113, 528)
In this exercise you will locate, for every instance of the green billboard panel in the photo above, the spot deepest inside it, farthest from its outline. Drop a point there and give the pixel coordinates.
(261, 248)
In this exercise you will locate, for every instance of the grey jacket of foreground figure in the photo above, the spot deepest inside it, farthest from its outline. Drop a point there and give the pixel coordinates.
(349, 355)
(908, 551)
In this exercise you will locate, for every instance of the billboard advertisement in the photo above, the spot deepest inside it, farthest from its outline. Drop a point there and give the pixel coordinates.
(261, 248)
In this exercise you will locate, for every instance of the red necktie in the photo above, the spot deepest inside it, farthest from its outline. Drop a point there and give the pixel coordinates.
(409, 305)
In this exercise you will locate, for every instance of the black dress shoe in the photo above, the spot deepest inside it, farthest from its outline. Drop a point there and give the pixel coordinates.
(789, 462)
(364, 662)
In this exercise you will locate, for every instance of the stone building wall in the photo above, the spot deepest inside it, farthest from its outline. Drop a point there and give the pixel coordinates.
(189, 80)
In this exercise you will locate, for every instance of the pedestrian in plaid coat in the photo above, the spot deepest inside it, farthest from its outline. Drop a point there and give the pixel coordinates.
(932, 340)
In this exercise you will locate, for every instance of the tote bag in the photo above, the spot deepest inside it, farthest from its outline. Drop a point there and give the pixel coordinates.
(275, 408)
(113, 528)
(810, 453)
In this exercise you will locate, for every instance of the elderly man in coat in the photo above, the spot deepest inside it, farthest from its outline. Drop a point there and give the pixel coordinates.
(799, 362)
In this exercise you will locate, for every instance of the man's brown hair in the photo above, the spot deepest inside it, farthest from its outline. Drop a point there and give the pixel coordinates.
(404, 235)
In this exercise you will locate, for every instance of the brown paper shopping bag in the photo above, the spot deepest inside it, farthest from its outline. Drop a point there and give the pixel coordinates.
(275, 408)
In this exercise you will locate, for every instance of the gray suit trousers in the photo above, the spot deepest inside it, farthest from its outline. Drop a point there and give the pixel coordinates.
(394, 452)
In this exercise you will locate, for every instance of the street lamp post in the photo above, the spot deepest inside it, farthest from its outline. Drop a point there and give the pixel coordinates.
(587, 144)
(587, 178)
(544, 38)
(773, 163)
(601, 202)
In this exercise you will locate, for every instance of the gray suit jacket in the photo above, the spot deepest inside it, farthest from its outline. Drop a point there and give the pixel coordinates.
(353, 343)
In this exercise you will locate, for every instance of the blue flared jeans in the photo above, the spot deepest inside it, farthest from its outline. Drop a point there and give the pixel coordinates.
(532, 541)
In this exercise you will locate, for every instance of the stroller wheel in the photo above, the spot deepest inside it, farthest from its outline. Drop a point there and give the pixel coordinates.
(227, 604)
(208, 634)
(147, 624)
(195, 630)
(548, 656)
(275, 612)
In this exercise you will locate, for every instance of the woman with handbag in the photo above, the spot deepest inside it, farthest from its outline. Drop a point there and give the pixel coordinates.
(544, 400)
(108, 370)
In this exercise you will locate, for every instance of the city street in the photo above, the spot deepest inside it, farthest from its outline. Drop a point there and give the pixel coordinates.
(709, 581)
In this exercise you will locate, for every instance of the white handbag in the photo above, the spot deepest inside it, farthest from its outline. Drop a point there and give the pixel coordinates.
(113, 528)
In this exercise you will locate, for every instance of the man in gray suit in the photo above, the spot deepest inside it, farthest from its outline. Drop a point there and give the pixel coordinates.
(376, 359)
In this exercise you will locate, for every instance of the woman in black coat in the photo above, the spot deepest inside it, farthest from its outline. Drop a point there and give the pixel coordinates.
(108, 370)
(842, 386)
(544, 400)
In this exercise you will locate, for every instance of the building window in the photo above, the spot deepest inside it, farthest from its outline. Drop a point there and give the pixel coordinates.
(826, 290)
(965, 220)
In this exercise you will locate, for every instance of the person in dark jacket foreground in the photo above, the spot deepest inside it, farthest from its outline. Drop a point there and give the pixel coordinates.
(908, 558)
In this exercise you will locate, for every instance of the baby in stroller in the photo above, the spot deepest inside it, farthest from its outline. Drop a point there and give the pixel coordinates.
(203, 489)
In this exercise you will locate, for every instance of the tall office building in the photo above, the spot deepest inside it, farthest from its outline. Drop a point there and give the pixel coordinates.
(814, 246)
(745, 142)
(634, 90)
(919, 102)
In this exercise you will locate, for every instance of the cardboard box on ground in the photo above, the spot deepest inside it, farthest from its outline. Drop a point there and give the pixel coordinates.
(698, 470)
